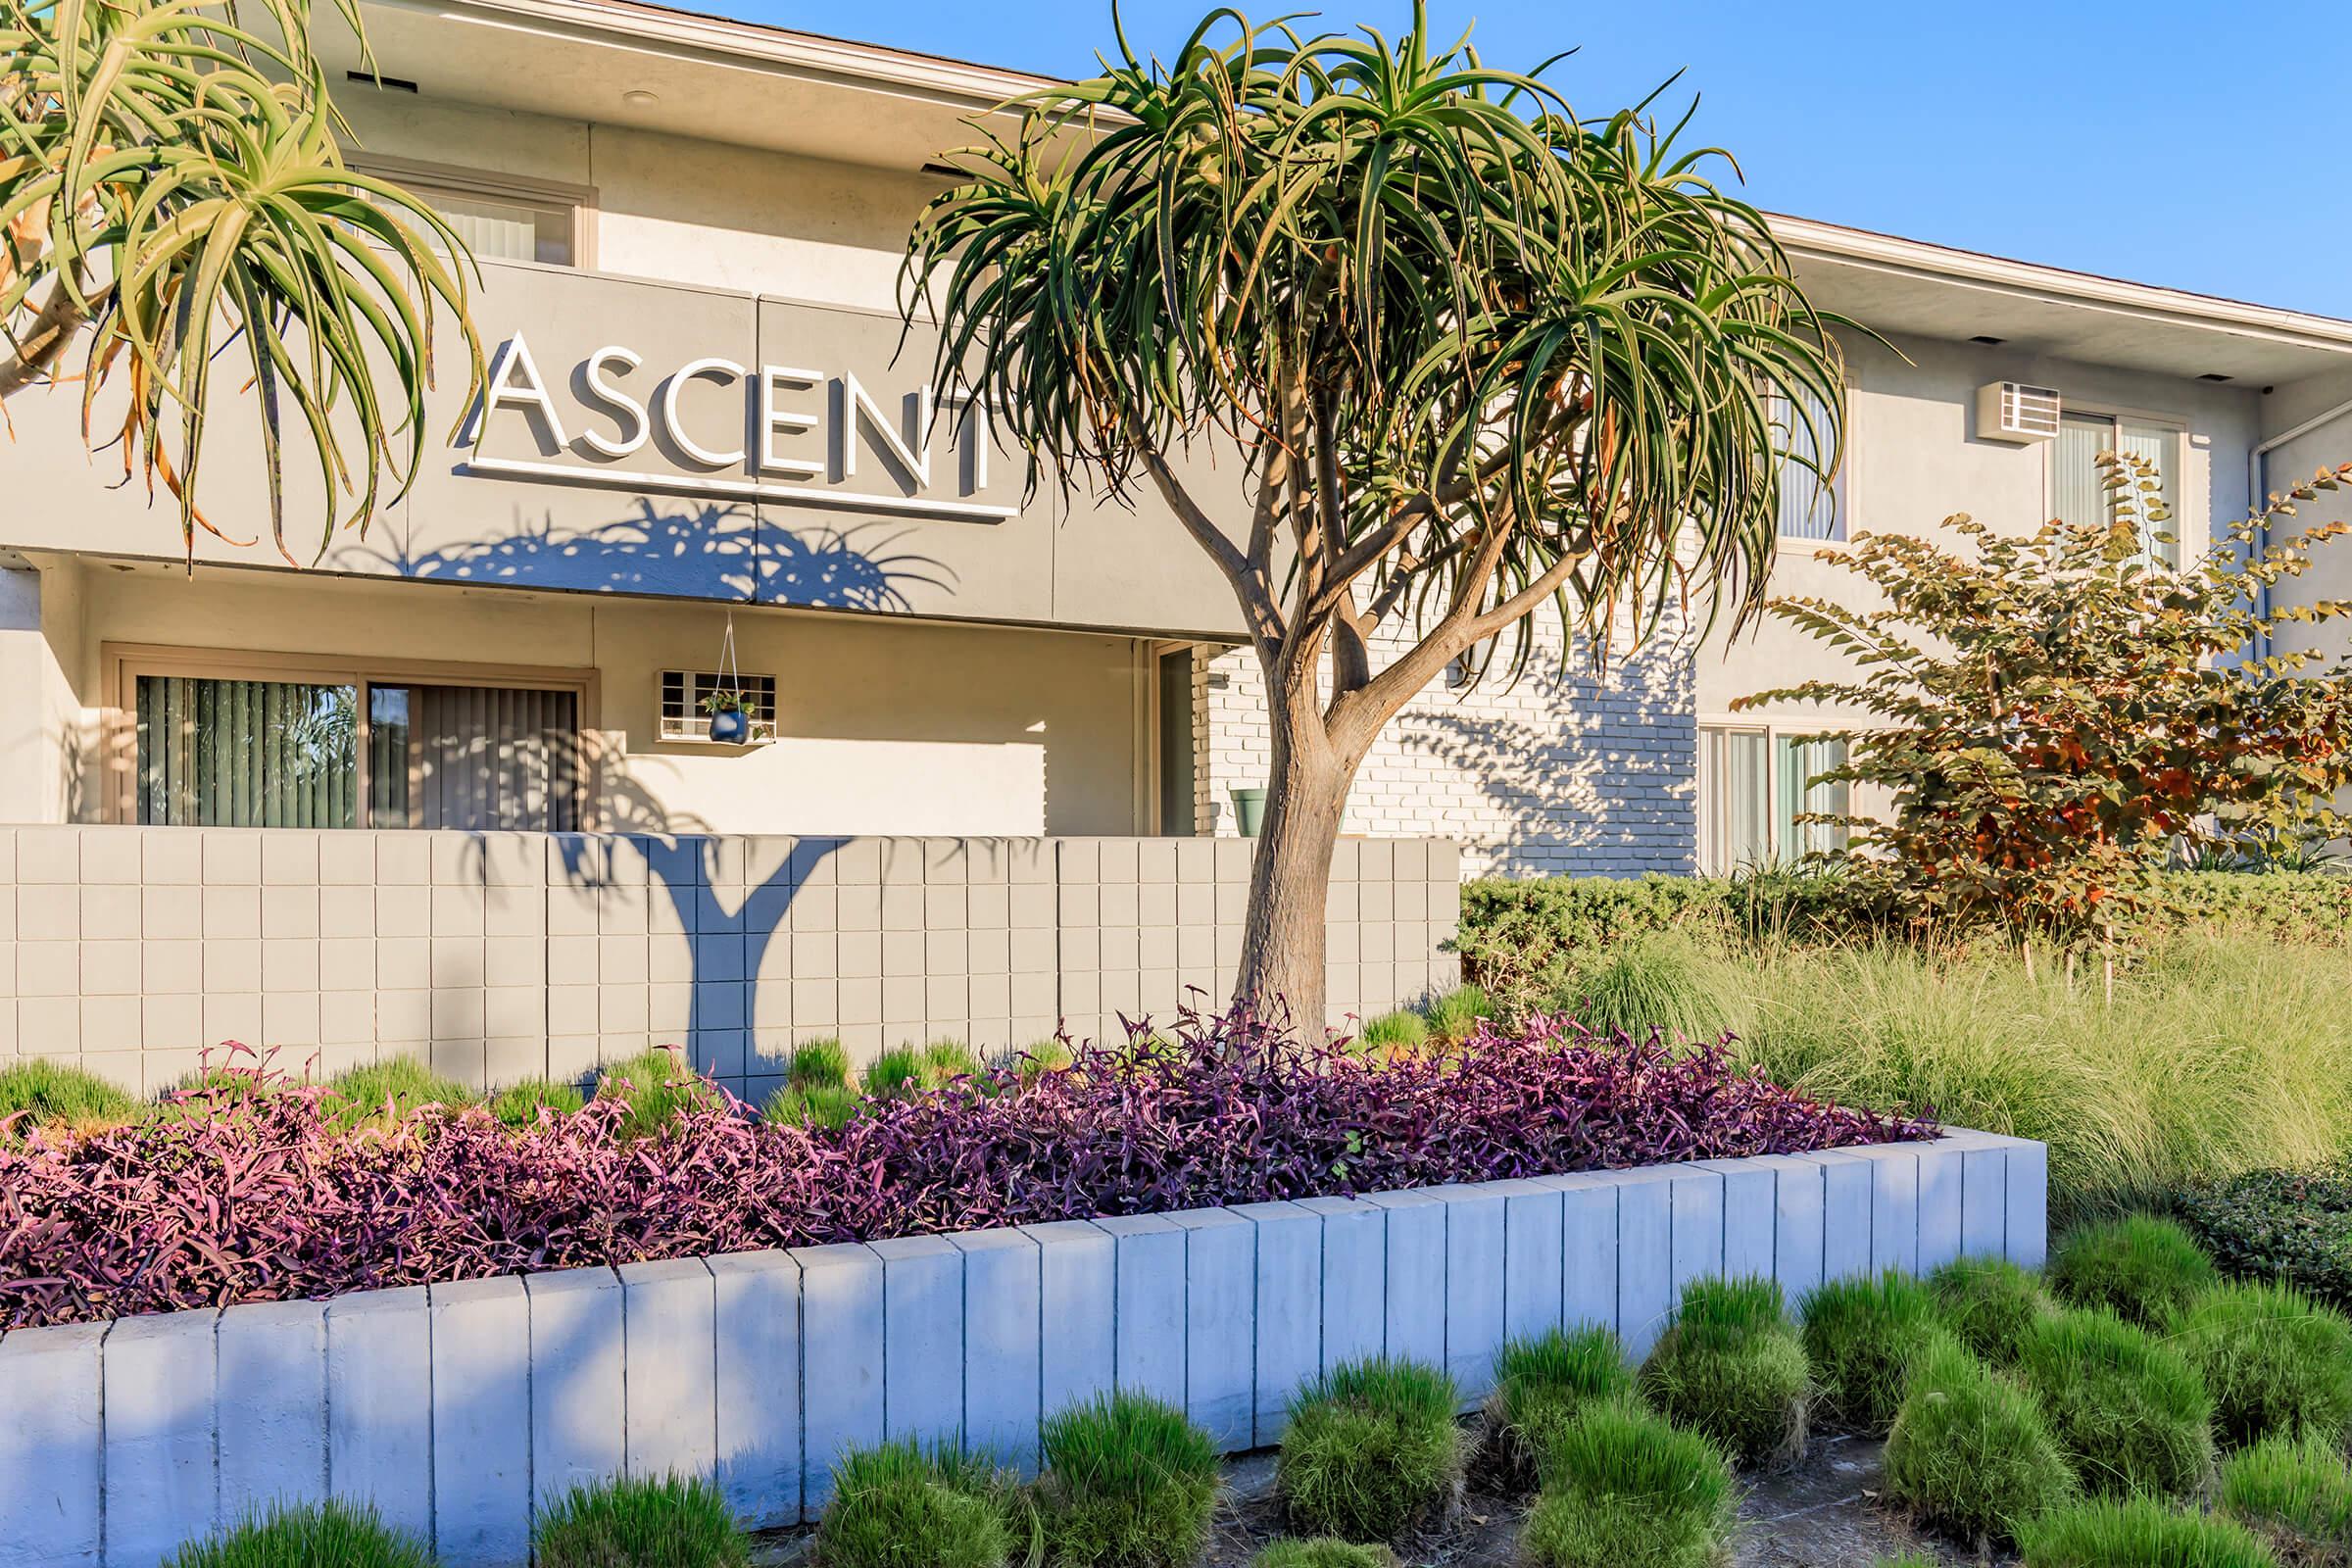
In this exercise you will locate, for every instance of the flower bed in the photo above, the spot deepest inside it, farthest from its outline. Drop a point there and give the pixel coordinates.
(254, 1197)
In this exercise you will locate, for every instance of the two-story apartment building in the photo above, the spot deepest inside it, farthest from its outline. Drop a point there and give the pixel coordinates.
(704, 455)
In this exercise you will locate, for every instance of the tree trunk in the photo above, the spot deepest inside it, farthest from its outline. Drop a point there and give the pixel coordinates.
(1290, 878)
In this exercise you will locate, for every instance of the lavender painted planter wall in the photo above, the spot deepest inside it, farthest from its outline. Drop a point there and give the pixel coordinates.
(460, 1408)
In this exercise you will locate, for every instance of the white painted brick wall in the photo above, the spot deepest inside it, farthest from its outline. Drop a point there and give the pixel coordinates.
(1564, 770)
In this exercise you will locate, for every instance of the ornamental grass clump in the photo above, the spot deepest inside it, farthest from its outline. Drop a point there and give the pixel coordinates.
(1969, 1453)
(902, 1506)
(1860, 1336)
(2146, 1269)
(40, 1091)
(1731, 1366)
(2277, 1363)
(1371, 1451)
(1541, 1385)
(2138, 1533)
(1989, 1305)
(1128, 1483)
(821, 1063)
(656, 1089)
(1323, 1552)
(1623, 1489)
(268, 1197)
(2129, 1410)
(640, 1522)
(387, 1091)
(522, 1105)
(322, 1534)
(1659, 981)
(2298, 1494)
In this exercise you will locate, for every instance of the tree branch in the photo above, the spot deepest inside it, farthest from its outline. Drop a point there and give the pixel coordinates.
(38, 347)
(1247, 578)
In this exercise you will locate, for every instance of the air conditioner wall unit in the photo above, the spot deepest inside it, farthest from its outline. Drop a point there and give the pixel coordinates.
(2011, 410)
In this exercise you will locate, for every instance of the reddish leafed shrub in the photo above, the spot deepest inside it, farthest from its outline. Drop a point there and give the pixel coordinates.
(253, 1196)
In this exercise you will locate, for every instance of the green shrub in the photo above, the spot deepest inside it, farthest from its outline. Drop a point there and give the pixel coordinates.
(2141, 1533)
(2277, 1363)
(896, 1074)
(945, 1060)
(1625, 1490)
(1989, 1305)
(1541, 1385)
(1969, 1453)
(828, 1106)
(1860, 1336)
(1128, 1483)
(2294, 1225)
(658, 1088)
(519, 1104)
(1658, 981)
(1371, 1451)
(819, 1064)
(2130, 1411)
(1045, 1057)
(2298, 1493)
(66, 1096)
(1322, 1554)
(404, 1083)
(1404, 1030)
(664, 1522)
(326, 1535)
(903, 1506)
(1455, 1015)
(2144, 1268)
(1731, 1366)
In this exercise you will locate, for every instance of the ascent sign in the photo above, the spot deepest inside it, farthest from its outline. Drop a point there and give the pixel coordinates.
(800, 439)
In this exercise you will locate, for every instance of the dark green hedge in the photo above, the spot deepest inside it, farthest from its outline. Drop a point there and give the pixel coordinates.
(2271, 1224)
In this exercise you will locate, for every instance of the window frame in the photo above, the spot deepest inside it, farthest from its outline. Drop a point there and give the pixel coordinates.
(491, 185)
(2189, 522)
(123, 663)
(1776, 734)
(1841, 491)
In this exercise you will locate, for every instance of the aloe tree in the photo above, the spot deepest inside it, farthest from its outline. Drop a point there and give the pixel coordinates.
(175, 216)
(1479, 356)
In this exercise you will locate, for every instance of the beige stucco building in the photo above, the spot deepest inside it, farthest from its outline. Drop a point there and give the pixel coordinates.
(706, 424)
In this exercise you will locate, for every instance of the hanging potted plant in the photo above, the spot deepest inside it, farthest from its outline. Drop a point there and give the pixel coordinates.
(730, 716)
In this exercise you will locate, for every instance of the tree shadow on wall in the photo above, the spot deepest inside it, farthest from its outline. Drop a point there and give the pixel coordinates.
(1552, 777)
(706, 550)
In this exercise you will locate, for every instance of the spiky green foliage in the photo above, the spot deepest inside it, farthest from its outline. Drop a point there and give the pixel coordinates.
(945, 1060)
(1658, 982)
(324, 1534)
(1453, 1015)
(819, 1064)
(829, 1106)
(1371, 1451)
(2144, 1268)
(2130, 1411)
(901, 1505)
(1480, 356)
(896, 1074)
(2140, 1533)
(659, 1087)
(400, 1085)
(1860, 1336)
(651, 1522)
(519, 1104)
(1324, 1552)
(44, 1091)
(2299, 1494)
(171, 179)
(1404, 1030)
(1969, 1453)
(1989, 1305)
(1731, 1366)
(1622, 1489)
(2277, 1363)
(1540, 1383)
(1128, 1483)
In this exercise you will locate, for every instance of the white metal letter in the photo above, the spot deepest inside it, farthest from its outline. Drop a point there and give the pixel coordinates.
(667, 406)
(773, 418)
(500, 391)
(912, 452)
(626, 410)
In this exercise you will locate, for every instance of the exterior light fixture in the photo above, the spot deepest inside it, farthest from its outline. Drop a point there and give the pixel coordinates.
(640, 98)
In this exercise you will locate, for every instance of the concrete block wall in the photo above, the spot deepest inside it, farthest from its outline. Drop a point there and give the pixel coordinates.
(499, 956)
(1564, 771)
(460, 1409)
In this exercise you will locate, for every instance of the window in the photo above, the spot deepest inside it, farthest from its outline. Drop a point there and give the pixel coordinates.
(2078, 491)
(1176, 742)
(685, 691)
(1809, 508)
(1753, 785)
(499, 217)
(255, 742)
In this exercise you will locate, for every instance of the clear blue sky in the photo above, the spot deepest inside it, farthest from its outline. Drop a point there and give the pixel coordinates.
(2200, 146)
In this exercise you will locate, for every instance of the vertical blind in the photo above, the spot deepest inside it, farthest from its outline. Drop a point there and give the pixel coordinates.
(1736, 828)
(287, 753)
(502, 231)
(1808, 507)
(1798, 765)
(2081, 488)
